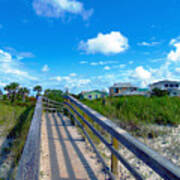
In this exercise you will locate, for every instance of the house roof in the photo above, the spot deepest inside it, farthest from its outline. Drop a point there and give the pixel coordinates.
(120, 85)
(95, 91)
(164, 81)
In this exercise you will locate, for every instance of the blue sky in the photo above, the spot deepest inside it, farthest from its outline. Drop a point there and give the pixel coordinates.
(88, 44)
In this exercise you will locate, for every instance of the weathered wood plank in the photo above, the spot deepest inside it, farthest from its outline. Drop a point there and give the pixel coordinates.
(28, 168)
(109, 146)
(159, 164)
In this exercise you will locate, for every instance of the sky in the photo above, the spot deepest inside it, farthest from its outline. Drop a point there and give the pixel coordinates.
(88, 44)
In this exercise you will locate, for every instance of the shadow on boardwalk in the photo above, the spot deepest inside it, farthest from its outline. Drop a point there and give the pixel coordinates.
(64, 136)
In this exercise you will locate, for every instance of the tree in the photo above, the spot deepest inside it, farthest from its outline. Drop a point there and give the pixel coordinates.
(38, 89)
(158, 92)
(14, 88)
(23, 92)
(54, 94)
(7, 89)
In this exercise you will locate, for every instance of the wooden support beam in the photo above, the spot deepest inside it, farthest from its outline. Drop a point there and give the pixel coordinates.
(114, 160)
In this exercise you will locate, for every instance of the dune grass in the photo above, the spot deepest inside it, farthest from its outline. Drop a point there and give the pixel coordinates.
(133, 112)
(14, 125)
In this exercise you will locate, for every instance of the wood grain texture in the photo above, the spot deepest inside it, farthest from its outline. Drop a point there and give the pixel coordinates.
(28, 168)
(159, 164)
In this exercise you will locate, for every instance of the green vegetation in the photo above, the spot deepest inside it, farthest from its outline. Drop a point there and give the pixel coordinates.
(16, 111)
(159, 92)
(14, 125)
(53, 94)
(134, 112)
(37, 89)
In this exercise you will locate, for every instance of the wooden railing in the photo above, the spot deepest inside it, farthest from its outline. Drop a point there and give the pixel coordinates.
(155, 161)
(28, 168)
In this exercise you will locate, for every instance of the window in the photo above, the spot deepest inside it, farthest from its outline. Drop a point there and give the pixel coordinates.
(171, 85)
(166, 85)
(177, 85)
(89, 96)
(96, 96)
(116, 90)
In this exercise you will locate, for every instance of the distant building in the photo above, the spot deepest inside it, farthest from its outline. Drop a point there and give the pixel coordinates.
(96, 94)
(173, 87)
(119, 89)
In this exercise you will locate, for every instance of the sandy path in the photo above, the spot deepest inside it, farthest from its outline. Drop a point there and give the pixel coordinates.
(64, 154)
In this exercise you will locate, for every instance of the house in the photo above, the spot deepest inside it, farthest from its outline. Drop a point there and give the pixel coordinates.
(173, 87)
(119, 89)
(96, 94)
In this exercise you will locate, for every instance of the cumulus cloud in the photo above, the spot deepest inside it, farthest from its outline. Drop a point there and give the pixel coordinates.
(5, 57)
(174, 55)
(19, 55)
(83, 62)
(148, 43)
(107, 68)
(177, 70)
(112, 43)
(141, 73)
(57, 8)
(57, 78)
(45, 68)
(11, 69)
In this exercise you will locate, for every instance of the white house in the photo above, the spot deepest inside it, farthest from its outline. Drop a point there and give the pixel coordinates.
(173, 87)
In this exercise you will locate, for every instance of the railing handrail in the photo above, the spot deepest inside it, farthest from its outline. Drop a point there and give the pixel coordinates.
(158, 163)
(51, 101)
(28, 167)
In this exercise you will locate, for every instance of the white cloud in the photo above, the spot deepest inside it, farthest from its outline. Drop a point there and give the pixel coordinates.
(73, 74)
(112, 43)
(141, 73)
(45, 68)
(177, 70)
(174, 55)
(94, 64)
(5, 57)
(19, 55)
(148, 43)
(11, 69)
(1, 26)
(83, 62)
(2, 84)
(131, 62)
(102, 63)
(107, 68)
(57, 78)
(57, 8)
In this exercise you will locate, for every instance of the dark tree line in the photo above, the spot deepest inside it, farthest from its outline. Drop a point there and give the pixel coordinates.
(15, 92)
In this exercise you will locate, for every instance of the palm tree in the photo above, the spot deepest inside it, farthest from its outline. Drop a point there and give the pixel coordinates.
(38, 89)
(23, 92)
(47, 91)
(13, 89)
(7, 89)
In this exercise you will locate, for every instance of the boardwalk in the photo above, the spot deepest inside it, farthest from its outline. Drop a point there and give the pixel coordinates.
(64, 154)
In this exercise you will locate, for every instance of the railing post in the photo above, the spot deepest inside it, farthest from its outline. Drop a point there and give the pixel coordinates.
(114, 160)
(70, 117)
